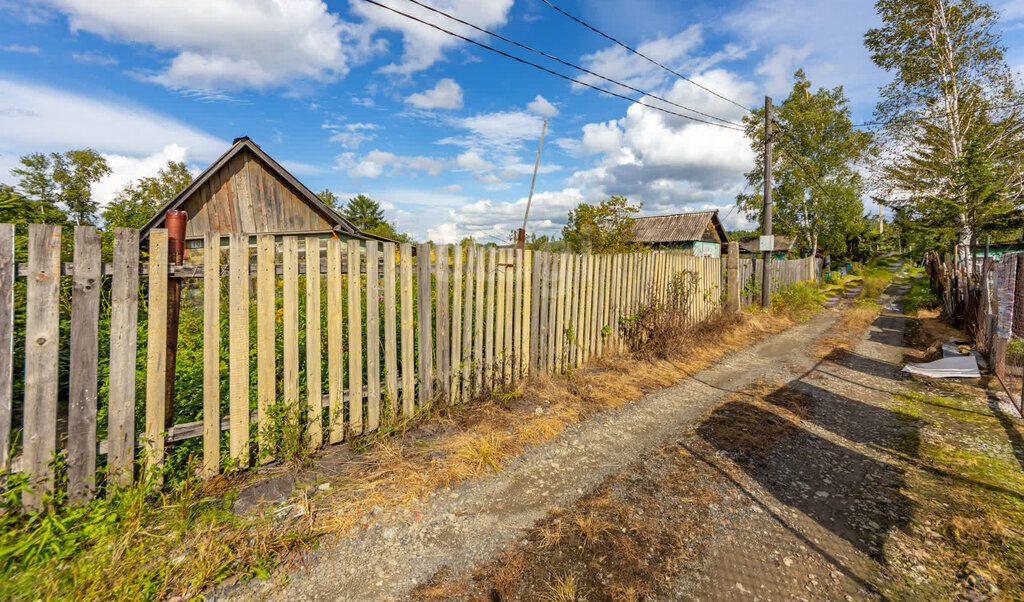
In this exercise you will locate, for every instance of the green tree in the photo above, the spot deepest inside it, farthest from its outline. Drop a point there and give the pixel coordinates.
(135, 204)
(606, 227)
(138, 201)
(364, 212)
(818, 189)
(14, 207)
(952, 114)
(330, 198)
(75, 172)
(60, 184)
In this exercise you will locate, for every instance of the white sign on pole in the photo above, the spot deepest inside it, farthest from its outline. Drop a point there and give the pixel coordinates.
(767, 243)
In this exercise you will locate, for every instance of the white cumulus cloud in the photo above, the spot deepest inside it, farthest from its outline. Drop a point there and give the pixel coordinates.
(542, 107)
(447, 94)
(228, 44)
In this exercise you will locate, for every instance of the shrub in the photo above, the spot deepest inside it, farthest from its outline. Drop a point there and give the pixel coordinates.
(921, 296)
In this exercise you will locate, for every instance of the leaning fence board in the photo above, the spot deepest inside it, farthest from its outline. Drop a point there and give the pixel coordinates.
(355, 339)
(584, 327)
(156, 348)
(372, 336)
(85, 305)
(390, 334)
(408, 344)
(42, 319)
(335, 351)
(124, 315)
(454, 393)
(314, 386)
(442, 318)
(266, 327)
(211, 353)
(238, 345)
(425, 338)
(6, 341)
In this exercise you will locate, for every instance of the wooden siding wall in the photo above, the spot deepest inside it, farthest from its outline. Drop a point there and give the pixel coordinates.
(244, 197)
(385, 331)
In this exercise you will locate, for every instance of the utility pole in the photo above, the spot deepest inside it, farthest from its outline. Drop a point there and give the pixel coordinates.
(767, 239)
(521, 235)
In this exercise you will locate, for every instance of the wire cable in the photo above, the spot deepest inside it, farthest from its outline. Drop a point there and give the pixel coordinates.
(569, 64)
(644, 56)
(555, 73)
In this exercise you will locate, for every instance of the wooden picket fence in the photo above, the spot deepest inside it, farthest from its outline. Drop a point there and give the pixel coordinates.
(785, 272)
(398, 328)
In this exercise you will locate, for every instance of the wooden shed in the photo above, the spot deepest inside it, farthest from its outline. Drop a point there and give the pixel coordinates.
(700, 234)
(246, 191)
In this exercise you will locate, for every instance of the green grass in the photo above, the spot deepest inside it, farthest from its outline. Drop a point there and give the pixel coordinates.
(137, 544)
(800, 299)
(920, 296)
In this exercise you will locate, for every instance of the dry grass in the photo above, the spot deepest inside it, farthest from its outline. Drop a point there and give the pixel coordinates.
(841, 337)
(474, 440)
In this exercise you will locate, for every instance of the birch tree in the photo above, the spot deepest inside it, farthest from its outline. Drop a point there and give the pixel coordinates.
(952, 115)
(818, 188)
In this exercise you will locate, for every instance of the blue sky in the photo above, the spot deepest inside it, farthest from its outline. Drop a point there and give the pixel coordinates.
(444, 134)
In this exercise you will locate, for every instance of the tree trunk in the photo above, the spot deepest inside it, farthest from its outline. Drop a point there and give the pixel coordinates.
(963, 244)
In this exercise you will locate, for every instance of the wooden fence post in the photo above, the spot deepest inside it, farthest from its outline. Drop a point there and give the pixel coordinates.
(314, 384)
(442, 315)
(211, 354)
(372, 336)
(124, 316)
(408, 342)
(390, 334)
(238, 346)
(7, 271)
(42, 320)
(156, 349)
(266, 335)
(85, 304)
(732, 277)
(355, 338)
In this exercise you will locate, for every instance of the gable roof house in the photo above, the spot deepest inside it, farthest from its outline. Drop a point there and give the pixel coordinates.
(700, 234)
(246, 191)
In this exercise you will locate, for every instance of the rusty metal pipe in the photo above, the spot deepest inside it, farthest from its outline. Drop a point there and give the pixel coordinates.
(175, 223)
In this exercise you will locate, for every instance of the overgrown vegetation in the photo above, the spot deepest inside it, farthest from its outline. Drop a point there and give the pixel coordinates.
(920, 296)
(139, 543)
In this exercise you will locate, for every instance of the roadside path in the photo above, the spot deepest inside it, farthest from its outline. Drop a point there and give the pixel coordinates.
(473, 521)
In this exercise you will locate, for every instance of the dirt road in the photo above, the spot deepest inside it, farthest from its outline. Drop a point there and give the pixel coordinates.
(472, 522)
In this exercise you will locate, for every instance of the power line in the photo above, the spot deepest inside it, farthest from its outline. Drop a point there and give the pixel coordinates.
(555, 73)
(644, 56)
(569, 64)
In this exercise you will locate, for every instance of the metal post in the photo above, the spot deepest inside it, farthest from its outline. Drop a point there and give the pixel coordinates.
(766, 281)
(175, 222)
(521, 242)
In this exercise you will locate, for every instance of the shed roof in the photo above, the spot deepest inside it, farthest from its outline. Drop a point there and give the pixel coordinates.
(244, 143)
(751, 244)
(681, 227)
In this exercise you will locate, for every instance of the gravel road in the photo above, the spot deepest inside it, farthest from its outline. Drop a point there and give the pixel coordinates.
(471, 522)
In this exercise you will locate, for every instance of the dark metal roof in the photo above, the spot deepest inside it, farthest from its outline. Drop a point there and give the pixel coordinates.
(681, 227)
(340, 223)
(751, 244)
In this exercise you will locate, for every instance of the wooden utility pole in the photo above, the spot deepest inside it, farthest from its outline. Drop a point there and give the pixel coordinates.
(521, 235)
(766, 254)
